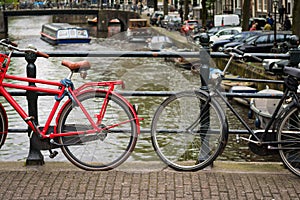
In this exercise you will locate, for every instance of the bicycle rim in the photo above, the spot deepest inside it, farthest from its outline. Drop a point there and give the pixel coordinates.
(99, 151)
(289, 140)
(186, 137)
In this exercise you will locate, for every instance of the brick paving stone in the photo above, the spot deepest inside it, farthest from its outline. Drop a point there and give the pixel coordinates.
(156, 184)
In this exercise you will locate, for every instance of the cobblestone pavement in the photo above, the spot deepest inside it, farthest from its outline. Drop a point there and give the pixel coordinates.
(64, 181)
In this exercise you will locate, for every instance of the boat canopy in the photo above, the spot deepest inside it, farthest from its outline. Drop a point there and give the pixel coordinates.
(64, 30)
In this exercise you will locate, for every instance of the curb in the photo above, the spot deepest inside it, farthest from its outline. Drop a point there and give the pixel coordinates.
(219, 166)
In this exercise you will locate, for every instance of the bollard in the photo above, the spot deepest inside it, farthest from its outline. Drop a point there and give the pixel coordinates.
(294, 51)
(204, 60)
(35, 157)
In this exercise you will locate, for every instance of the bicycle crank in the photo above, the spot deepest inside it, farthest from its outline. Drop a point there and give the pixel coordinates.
(262, 149)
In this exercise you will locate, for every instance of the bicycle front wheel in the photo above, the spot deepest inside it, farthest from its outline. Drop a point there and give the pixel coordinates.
(289, 140)
(99, 151)
(3, 125)
(189, 131)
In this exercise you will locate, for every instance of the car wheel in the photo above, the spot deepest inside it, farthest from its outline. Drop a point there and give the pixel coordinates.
(220, 49)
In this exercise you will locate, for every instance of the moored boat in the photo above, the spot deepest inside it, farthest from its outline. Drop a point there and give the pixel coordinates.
(228, 84)
(263, 108)
(92, 21)
(63, 33)
(138, 30)
(114, 27)
(158, 43)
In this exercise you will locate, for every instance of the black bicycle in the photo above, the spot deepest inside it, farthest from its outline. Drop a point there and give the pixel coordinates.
(190, 129)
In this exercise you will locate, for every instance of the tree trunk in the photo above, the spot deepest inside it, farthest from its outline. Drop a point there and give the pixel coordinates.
(246, 15)
(166, 10)
(186, 9)
(296, 18)
(155, 5)
(203, 13)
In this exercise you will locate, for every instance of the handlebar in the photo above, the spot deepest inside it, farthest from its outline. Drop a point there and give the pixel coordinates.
(14, 47)
(235, 52)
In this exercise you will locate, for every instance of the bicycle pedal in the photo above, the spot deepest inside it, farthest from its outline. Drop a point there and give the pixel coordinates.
(53, 154)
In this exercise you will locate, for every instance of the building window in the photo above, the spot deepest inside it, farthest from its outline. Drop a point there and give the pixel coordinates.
(259, 5)
(265, 6)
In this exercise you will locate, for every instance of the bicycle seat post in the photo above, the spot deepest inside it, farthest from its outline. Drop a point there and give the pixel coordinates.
(70, 75)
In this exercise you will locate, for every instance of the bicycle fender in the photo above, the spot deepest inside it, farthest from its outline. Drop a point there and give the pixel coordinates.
(3, 134)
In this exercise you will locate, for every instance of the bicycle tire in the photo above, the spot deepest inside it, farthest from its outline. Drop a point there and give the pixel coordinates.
(3, 125)
(107, 149)
(288, 136)
(183, 149)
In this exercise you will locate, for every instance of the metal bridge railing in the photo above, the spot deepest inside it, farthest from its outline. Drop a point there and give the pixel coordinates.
(35, 157)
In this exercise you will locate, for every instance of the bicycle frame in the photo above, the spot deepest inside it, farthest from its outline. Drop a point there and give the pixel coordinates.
(244, 123)
(215, 92)
(60, 94)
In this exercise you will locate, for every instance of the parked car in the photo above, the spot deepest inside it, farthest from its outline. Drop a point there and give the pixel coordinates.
(210, 32)
(166, 19)
(275, 65)
(225, 33)
(174, 23)
(215, 29)
(248, 35)
(265, 42)
(156, 16)
(238, 39)
(188, 26)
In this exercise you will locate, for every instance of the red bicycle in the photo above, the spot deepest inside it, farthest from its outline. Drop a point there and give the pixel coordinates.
(95, 127)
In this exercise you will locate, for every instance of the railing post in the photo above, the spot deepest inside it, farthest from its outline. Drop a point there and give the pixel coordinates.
(294, 51)
(204, 60)
(204, 77)
(35, 157)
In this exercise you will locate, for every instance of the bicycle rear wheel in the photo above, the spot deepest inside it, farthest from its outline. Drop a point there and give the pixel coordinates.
(187, 136)
(99, 151)
(289, 140)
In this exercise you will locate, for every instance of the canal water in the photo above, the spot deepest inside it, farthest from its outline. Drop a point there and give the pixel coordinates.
(139, 74)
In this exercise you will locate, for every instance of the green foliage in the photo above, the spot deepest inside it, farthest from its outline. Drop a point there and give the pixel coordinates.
(8, 1)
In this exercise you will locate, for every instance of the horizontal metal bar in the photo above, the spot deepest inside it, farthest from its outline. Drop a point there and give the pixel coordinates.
(23, 93)
(160, 54)
(17, 130)
(254, 80)
(253, 95)
(238, 131)
(167, 93)
(145, 130)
